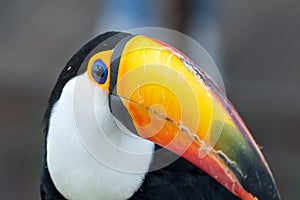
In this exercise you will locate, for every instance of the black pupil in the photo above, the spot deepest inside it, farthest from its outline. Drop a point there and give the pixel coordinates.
(99, 71)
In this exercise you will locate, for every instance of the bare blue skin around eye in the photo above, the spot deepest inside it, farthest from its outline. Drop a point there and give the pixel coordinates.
(102, 79)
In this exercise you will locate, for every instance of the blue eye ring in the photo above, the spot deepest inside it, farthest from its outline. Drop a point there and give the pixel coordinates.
(99, 71)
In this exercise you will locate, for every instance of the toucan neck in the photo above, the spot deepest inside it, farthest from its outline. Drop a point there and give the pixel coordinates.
(88, 155)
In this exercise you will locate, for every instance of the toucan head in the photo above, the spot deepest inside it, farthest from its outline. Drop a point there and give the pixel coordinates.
(159, 94)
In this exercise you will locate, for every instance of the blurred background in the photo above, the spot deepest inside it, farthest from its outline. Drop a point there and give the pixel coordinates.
(255, 44)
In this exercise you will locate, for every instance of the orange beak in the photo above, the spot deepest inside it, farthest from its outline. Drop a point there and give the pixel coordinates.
(171, 102)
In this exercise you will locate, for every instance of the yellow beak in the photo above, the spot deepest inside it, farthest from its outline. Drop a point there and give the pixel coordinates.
(171, 102)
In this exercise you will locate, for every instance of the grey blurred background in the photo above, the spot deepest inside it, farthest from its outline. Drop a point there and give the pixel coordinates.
(260, 60)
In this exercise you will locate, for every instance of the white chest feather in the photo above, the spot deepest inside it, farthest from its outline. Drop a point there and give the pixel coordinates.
(88, 155)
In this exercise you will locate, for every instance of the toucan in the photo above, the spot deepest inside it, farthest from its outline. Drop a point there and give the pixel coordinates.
(131, 117)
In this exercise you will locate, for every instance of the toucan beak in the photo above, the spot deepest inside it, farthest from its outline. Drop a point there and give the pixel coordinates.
(160, 95)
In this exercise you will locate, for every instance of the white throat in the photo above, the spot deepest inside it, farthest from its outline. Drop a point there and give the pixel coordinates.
(85, 162)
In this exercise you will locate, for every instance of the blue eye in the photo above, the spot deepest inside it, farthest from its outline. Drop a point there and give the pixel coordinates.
(99, 71)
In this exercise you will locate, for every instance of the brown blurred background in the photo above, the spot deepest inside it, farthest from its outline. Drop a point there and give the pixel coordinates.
(260, 60)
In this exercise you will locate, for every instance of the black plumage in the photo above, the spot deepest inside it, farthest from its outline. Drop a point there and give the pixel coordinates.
(179, 180)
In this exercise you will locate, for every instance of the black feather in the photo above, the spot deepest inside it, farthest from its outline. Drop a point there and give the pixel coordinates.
(71, 70)
(181, 180)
